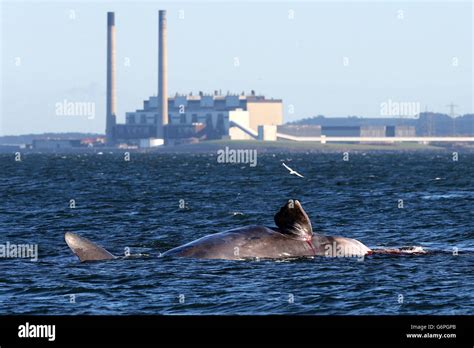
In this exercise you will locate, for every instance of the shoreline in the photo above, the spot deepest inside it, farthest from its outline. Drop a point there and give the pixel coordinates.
(264, 147)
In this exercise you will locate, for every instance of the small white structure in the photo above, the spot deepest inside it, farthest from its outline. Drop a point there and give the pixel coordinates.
(241, 118)
(150, 142)
(267, 133)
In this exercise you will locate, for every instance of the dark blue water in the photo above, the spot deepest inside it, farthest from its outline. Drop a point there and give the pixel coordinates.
(136, 204)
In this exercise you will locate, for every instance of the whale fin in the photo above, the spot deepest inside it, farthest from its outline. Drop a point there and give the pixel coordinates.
(293, 221)
(85, 250)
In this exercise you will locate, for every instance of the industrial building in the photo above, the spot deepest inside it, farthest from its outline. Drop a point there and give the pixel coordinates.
(185, 118)
(55, 144)
(206, 116)
(426, 124)
(305, 130)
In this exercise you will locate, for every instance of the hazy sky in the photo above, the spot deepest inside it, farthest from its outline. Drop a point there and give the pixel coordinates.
(404, 52)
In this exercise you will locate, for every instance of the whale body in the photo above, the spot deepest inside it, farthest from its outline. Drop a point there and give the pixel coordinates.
(292, 237)
(265, 242)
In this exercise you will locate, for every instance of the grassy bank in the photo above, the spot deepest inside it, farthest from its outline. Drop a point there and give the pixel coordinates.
(267, 146)
(293, 146)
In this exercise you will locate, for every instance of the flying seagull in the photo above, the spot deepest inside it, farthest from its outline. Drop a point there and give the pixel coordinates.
(293, 172)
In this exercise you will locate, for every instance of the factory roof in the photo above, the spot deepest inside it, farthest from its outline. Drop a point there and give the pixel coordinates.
(251, 97)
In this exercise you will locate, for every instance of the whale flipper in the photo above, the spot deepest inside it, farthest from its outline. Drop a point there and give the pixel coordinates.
(292, 220)
(85, 249)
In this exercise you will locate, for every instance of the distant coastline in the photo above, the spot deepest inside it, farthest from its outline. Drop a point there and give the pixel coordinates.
(12, 144)
(24, 139)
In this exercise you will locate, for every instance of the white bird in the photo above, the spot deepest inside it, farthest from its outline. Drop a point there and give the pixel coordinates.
(293, 172)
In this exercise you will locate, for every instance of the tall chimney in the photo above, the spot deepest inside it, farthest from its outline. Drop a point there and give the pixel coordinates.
(162, 75)
(110, 116)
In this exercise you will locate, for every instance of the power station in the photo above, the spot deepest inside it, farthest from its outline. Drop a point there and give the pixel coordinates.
(186, 118)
